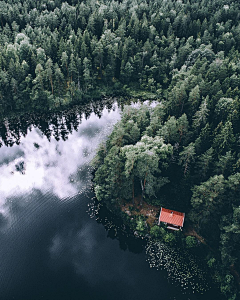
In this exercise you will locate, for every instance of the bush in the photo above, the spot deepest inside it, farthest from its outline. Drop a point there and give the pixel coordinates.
(141, 225)
(170, 239)
(155, 231)
(211, 262)
(190, 241)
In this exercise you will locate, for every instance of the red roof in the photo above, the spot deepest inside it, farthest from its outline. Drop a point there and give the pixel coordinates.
(171, 217)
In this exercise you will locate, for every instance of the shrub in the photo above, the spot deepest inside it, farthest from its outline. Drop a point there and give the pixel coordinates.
(190, 241)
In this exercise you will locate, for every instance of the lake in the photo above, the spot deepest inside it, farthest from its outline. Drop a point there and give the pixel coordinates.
(50, 246)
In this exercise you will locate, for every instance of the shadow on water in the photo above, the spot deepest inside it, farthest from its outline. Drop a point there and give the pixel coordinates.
(115, 227)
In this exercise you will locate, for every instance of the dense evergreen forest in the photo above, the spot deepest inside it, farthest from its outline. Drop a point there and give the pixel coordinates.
(53, 53)
(184, 152)
(183, 159)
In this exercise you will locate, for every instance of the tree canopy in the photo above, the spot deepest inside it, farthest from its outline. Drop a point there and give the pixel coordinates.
(54, 53)
(183, 164)
(184, 152)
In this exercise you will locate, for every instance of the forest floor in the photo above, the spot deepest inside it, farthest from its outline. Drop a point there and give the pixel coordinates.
(137, 208)
(151, 212)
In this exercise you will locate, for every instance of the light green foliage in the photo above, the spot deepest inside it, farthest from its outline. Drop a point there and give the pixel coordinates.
(99, 157)
(140, 116)
(156, 231)
(143, 160)
(211, 262)
(174, 130)
(141, 226)
(190, 241)
(224, 107)
(227, 287)
(225, 139)
(127, 72)
(41, 56)
(233, 184)
(200, 117)
(169, 130)
(117, 137)
(194, 97)
(169, 238)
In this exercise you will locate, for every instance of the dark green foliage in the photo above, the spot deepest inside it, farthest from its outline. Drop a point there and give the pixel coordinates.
(183, 157)
(191, 241)
(156, 231)
(57, 53)
(184, 153)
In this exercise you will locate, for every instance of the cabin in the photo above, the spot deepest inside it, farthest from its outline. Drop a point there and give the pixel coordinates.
(172, 218)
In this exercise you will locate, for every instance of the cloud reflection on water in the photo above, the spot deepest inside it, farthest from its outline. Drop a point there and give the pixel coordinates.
(91, 255)
(53, 165)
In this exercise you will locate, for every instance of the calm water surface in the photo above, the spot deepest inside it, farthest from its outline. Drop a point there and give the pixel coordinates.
(50, 248)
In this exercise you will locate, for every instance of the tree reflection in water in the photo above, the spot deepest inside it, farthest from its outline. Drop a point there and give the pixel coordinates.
(57, 124)
(115, 227)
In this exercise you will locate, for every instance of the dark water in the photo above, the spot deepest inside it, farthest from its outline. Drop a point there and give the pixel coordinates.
(50, 248)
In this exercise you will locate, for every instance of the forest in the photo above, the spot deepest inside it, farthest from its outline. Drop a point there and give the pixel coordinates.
(183, 150)
(55, 53)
